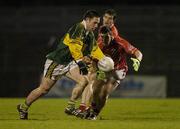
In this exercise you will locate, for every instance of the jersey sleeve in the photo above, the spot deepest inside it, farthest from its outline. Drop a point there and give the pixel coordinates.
(96, 52)
(130, 49)
(77, 31)
(73, 40)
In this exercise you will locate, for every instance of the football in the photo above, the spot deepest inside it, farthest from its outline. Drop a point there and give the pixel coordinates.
(106, 64)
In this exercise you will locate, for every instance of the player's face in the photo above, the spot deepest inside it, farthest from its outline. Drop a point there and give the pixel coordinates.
(92, 23)
(108, 20)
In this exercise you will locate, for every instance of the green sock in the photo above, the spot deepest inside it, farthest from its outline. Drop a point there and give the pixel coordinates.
(101, 75)
(71, 104)
(24, 106)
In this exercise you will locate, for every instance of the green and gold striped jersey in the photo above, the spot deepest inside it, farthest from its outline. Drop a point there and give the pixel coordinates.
(75, 44)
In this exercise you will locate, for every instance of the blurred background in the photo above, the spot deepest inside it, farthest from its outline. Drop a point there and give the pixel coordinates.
(28, 29)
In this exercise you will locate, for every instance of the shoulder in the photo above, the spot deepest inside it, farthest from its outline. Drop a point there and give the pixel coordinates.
(76, 30)
(114, 31)
(76, 27)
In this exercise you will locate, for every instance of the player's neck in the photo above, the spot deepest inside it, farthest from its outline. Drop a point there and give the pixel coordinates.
(84, 23)
(85, 26)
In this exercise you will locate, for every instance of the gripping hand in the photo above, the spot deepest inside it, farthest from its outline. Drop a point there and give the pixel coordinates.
(83, 68)
(136, 64)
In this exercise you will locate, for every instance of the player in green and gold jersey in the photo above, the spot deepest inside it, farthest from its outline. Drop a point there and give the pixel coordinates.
(77, 43)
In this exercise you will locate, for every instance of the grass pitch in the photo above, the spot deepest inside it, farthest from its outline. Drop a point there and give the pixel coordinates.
(118, 114)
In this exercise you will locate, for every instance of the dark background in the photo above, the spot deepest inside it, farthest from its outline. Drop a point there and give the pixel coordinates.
(28, 29)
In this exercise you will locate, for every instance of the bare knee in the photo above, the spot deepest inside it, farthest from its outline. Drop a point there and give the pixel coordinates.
(82, 83)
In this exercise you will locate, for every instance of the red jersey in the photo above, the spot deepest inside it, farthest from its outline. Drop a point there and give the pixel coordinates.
(117, 49)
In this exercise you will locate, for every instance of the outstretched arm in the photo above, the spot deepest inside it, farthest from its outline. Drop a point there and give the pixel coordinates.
(136, 61)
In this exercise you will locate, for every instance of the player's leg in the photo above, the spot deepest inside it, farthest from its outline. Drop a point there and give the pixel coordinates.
(86, 97)
(88, 92)
(103, 95)
(76, 93)
(84, 105)
(97, 96)
(113, 81)
(81, 83)
(92, 112)
(50, 73)
(42, 89)
(78, 89)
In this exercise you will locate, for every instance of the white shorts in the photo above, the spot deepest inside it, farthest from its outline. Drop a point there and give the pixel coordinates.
(118, 75)
(121, 74)
(54, 70)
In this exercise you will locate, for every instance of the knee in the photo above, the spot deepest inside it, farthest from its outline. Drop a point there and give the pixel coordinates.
(83, 83)
(80, 86)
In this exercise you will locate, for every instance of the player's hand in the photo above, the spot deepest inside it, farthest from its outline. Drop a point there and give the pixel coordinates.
(136, 64)
(83, 68)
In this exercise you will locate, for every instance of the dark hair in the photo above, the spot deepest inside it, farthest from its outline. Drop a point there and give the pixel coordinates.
(105, 30)
(91, 14)
(111, 12)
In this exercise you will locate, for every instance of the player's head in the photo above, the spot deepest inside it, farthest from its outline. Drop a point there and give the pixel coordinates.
(105, 33)
(92, 19)
(109, 17)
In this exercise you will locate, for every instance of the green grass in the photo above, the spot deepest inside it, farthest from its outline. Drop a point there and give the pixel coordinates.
(118, 114)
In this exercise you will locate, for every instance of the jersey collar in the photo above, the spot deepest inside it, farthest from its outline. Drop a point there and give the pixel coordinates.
(85, 26)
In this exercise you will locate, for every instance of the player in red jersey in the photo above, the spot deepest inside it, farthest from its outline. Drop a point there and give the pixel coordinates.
(113, 45)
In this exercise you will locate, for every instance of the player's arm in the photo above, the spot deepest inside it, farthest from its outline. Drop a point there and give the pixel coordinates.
(96, 52)
(136, 54)
(124, 43)
(73, 40)
(136, 61)
(130, 49)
